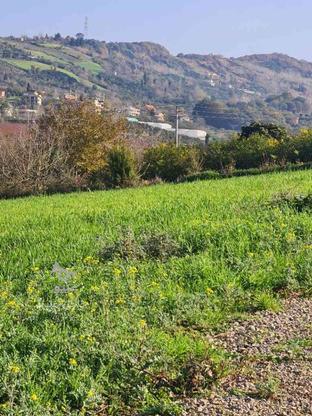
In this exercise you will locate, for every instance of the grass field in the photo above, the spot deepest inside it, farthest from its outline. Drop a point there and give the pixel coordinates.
(120, 326)
(28, 65)
(90, 66)
(39, 54)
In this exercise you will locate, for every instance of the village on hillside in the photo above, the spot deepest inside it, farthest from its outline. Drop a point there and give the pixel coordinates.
(28, 107)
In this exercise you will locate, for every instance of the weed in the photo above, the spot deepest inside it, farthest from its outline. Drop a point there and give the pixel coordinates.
(268, 389)
(298, 202)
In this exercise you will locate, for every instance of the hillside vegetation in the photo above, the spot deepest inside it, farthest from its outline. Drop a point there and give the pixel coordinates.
(107, 298)
(273, 87)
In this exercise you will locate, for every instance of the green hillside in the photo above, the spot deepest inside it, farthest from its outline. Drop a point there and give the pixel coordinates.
(107, 298)
(273, 87)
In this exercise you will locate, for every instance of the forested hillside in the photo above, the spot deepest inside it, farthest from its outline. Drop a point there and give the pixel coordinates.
(273, 87)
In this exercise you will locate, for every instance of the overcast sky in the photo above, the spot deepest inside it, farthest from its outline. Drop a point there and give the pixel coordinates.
(227, 27)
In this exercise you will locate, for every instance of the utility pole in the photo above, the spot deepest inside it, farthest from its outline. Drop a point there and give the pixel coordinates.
(177, 127)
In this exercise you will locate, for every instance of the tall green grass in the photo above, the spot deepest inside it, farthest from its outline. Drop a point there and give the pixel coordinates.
(129, 336)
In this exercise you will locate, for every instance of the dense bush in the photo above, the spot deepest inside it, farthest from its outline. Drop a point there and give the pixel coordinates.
(120, 170)
(264, 129)
(84, 134)
(208, 175)
(63, 151)
(202, 176)
(31, 166)
(303, 145)
(152, 245)
(258, 150)
(170, 163)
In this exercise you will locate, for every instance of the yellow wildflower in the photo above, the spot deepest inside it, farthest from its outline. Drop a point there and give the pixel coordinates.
(143, 324)
(89, 260)
(120, 301)
(31, 288)
(90, 393)
(90, 339)
(12, 304)
(117, 272)
(73, 362)
(209, 291)
(290, 237)
(4, 294)
(34, 397)
(132, 271)
(95, 289)
(272, 142)
(15, 369)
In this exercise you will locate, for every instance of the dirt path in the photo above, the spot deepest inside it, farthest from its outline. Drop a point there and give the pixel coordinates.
(273, 359)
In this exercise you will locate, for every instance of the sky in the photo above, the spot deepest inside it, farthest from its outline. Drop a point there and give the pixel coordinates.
(227, 27)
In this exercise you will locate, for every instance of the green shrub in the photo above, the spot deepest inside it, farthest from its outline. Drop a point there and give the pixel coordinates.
(303, 145)
(263, 129)
(121, 167)
(298, 203)
(206, 175)
(170, 163)
(258, 145)
(160, 246)
(125, 247)
(152, 245)
(218, 156)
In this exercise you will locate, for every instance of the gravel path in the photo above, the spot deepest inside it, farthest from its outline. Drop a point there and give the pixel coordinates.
(272, 356)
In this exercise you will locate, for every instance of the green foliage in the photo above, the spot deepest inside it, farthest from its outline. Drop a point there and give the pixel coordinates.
(157, 246)
(299, 203)
(205, 175)
(268, 389)
(120, 170)
(202, 176)
(268, 130)
(170, 163)
(84, 135)
(255, 148)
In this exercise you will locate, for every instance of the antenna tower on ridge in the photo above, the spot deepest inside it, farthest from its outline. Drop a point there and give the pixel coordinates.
(86, 27)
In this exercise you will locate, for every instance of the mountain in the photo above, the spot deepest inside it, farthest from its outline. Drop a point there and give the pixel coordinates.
(270, 87)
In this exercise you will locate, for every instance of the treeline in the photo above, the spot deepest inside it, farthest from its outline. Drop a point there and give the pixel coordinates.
(73, 147)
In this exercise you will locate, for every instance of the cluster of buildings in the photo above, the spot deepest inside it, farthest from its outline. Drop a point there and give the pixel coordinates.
(148, 110)
(27, 109)
(30, 105)
(99, 104)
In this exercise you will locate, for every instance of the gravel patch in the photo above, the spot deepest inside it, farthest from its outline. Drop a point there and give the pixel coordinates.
(272, 357)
